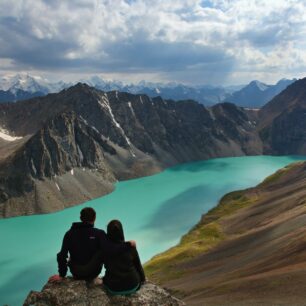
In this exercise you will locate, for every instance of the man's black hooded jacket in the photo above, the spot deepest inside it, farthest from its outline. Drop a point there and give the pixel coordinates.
(82, 242)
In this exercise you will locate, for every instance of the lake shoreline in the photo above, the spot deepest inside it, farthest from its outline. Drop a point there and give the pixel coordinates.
(111, 187)
(249, 247)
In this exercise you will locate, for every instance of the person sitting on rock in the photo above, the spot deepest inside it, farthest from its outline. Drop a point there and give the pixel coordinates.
(123, 272)
(87, 247)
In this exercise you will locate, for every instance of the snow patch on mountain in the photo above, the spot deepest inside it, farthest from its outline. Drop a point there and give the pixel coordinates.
(4, 134)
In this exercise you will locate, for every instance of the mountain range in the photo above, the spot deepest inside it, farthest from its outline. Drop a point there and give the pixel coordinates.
(65, 146)
(82, 136)
(250, 248)
(253, 95)
(68, 147)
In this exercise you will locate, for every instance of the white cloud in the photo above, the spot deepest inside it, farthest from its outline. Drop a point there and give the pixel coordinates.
(176, 39)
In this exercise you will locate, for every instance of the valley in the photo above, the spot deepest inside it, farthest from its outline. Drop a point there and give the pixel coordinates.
(184, 120)
(114, 136)
(105, 137)
(72, 147)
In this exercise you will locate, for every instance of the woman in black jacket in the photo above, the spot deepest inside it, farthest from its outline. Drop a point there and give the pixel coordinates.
(123, 272)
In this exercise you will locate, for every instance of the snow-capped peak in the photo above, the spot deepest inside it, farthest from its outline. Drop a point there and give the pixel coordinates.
(30, 83)
(23, 82)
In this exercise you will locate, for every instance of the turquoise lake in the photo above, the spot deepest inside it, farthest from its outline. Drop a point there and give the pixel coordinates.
(155, 211)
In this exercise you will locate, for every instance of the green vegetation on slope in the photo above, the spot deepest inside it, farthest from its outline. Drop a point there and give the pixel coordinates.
(278, 174)
(199, 240)
(229, 204)
(208, 233)
(204, 236)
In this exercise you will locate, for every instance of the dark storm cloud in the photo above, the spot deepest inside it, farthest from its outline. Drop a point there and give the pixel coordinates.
(135, 54)
(29, 50)
(158, 55)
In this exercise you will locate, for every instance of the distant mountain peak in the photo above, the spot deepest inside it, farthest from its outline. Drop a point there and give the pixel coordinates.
(287, 81)
(80, 87)
(260, 85)
(256, 93)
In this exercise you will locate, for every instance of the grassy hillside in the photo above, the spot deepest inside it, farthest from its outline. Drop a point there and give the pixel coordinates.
(204, 236)
(248, 250)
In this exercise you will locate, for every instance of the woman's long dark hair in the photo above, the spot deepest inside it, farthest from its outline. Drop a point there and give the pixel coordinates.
(115, 231)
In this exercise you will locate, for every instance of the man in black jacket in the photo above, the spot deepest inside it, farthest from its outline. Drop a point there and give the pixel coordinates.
(87, 247)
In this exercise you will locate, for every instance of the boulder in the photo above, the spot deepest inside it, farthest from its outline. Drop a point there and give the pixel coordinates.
(72, 292)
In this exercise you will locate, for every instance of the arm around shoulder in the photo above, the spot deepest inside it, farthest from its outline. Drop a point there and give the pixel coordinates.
(111, 248)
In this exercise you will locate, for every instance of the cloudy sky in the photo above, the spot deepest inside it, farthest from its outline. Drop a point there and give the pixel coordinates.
(190, 41)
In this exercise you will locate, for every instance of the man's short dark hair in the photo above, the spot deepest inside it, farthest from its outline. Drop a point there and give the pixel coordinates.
(88, 214)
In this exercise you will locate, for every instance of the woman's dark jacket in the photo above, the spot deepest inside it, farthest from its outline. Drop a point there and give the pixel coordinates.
(123, 271)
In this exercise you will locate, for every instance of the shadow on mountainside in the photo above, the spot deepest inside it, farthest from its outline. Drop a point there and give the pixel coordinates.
(208, 165)
(175, 215)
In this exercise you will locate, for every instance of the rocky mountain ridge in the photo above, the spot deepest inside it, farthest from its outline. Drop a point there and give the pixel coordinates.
(91, 136)
(68, 144)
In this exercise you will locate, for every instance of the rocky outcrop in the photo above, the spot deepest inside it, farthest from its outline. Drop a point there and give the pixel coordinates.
(81, 138)
(79, 293)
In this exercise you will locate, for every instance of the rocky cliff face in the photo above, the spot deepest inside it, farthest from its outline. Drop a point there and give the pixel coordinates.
(282, 126)
(79, 293)
(82, 138)
(33, 178)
